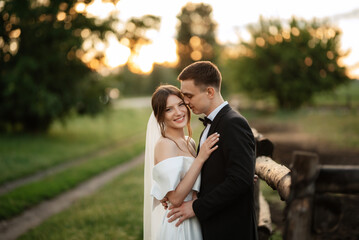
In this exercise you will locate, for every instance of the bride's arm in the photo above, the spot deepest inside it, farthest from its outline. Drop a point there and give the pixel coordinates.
(163, 151)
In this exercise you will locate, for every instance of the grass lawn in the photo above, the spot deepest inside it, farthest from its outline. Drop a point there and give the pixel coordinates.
(338, 128)
(16, 201)
(25, 154)
(115, 212)
(346, 95)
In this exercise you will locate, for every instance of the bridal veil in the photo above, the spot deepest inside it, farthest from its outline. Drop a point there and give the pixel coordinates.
(153, 211)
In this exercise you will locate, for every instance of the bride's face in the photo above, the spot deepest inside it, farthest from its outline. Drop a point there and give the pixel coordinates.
(176, 112)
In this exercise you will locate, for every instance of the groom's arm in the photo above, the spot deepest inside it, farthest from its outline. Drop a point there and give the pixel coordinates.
(237, 147)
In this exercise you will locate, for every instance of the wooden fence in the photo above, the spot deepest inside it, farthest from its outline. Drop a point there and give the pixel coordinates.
(322, 201)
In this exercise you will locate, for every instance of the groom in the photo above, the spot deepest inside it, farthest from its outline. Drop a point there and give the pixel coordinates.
(225, 207)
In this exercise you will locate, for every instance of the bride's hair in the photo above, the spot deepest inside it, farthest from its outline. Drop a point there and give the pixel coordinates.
(159, 103)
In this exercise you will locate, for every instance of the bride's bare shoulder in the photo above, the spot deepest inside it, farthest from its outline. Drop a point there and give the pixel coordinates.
(165, 148)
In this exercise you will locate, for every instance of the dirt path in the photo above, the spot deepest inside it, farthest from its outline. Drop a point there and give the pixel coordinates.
(31, 218)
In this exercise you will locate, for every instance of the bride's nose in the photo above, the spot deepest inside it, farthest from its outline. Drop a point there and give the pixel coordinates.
(178, 111)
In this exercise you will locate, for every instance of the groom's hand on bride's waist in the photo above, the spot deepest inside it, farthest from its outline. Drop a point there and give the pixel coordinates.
(183, 212)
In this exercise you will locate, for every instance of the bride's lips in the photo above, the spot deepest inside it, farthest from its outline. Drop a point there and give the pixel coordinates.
(180, 119)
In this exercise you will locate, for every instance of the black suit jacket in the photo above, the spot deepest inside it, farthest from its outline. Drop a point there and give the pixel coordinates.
(225, 207)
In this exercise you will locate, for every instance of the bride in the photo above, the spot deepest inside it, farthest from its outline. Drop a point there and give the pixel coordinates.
(172, 169)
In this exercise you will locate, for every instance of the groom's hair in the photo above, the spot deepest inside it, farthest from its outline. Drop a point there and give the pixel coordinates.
(203, 73)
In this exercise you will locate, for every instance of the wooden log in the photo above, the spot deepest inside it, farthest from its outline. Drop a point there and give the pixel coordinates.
(264, 220)
(338, 179)
(300, 203)
(276, 175)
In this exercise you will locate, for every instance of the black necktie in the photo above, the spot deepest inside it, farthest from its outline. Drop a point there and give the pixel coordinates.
(205, 121)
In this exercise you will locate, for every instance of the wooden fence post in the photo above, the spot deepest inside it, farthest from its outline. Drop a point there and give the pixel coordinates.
(304, 172)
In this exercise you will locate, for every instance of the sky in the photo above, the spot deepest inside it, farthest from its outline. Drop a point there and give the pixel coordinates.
(232, 17)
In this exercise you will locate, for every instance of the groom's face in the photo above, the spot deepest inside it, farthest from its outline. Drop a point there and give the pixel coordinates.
(195, 97)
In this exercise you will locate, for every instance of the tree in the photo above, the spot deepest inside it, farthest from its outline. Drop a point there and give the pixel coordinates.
(196, 34)
(135, 33)
(291, 64)
(42, 77)
(48, 61)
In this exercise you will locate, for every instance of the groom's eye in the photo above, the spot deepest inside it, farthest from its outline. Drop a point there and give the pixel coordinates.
(188, 96)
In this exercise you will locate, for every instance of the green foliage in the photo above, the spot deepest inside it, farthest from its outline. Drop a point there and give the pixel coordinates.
(196, 35)
(290, 63)
(42, 77)
(135, 30)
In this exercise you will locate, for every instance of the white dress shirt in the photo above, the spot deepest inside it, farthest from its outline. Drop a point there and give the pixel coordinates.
(211, 116)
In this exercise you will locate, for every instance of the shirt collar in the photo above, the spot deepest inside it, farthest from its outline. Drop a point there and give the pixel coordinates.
(214, 113)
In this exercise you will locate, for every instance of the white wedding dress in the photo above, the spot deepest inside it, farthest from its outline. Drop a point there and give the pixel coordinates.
(166, 176)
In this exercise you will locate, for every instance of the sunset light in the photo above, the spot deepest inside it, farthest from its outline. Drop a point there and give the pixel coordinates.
(116, 54)
(162, 49)
(100, 9)
(165, 51)
(143, 61)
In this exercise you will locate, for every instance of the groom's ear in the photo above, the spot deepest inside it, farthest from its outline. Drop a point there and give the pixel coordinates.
(210, 92)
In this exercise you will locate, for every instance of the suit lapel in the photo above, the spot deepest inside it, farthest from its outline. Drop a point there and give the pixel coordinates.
(219, 115)
(214, 124)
